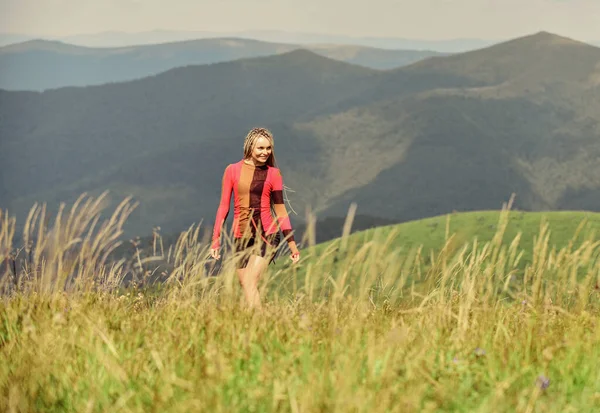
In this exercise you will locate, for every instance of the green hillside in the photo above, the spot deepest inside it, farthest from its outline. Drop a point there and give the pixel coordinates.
(431, 233)
(411, 246)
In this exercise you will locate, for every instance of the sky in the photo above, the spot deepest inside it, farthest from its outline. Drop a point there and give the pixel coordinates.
(415, 19)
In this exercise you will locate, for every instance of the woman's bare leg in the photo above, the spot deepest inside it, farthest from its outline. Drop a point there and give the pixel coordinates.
(241, 272)
(249, 278)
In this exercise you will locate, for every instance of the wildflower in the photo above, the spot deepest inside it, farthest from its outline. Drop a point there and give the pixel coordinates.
(542, 382)
(479, 352)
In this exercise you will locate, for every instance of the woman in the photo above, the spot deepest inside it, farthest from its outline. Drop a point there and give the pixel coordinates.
(258, 188)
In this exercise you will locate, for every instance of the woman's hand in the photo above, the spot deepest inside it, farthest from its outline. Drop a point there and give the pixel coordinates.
(214, 252)
(295, 257)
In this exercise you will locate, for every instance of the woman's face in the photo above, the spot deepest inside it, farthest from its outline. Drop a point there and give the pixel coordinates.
(262, 150)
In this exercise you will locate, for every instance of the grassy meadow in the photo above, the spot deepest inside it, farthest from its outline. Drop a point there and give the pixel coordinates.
(479, 312)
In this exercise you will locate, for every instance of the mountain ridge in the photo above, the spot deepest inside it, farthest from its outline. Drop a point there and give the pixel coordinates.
(529, 54)
(42, 64)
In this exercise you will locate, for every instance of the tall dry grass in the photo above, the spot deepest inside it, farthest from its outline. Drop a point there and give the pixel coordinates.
(356, 327)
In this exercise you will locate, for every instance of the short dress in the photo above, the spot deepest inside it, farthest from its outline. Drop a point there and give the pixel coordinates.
(257, 190)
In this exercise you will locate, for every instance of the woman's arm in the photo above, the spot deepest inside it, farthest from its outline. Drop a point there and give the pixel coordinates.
(223, 210)
(283, 220)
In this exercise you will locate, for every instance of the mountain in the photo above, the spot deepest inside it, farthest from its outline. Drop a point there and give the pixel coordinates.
(461, 132)
(529, 124)
(43, 64)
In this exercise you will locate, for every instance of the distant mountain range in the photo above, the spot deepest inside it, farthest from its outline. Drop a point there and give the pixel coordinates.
(459, 132)
(43, 64)
(120, 39)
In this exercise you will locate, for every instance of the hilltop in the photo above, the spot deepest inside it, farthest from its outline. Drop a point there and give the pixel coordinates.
(464, 228)
(549, 55)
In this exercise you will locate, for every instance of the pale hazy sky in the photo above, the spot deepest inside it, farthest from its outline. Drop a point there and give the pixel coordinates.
(422, 19)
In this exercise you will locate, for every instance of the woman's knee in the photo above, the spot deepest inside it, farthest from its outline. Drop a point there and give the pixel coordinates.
(256, 265)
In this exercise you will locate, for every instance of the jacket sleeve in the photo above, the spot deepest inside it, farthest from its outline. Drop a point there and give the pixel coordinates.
(223, 209)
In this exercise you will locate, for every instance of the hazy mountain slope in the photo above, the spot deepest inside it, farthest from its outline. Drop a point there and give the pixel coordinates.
(371, 57)
(444, 159)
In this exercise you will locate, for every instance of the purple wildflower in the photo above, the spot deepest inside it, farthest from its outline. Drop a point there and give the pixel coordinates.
(479, 352)
(542, 382)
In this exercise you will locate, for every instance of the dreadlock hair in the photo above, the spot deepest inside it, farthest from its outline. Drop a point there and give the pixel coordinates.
(250, 142)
